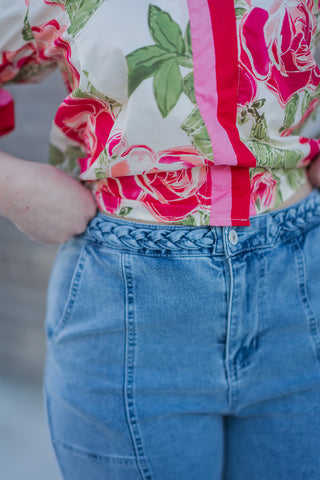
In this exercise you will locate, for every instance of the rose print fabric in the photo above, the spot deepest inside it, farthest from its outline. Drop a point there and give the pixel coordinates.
(199, 112)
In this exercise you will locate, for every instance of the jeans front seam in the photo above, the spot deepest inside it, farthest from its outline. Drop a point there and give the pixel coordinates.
(230, 363)
(129, 374)
(50, 425)
(311, 316)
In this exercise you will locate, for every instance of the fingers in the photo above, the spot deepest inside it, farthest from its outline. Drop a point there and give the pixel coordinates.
(314, 172)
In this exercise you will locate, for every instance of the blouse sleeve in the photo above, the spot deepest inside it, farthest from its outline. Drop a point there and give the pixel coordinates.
(25, 51)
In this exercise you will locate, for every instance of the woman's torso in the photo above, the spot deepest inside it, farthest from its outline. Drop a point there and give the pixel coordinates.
(184, 111)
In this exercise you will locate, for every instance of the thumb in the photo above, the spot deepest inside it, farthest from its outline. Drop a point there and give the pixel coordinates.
(314, 172)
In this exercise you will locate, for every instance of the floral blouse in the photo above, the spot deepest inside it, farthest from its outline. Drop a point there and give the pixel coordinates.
(201, 112)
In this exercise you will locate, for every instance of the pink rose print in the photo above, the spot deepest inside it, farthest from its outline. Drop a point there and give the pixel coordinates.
(313, 104)
(51, 46)
(12, 62)
(141, 158)
(51, 2)
(48, 46)
(314, 150)
(87, 121)
(263, 190)
(276, 47)
(169, 196)
(247, 88)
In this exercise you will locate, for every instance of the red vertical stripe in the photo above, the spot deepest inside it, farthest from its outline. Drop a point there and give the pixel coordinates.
(224, 27)
(240, 195)
(6, 112)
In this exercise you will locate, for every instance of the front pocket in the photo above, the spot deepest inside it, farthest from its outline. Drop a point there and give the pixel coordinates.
(63, 286)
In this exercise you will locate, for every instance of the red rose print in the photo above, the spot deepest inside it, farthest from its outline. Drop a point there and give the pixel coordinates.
(263, 190)
(47, 47)
(87, 121)
(170, 196)
(276, 47)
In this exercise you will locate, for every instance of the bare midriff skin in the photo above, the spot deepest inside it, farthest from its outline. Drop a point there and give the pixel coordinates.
(299, 195)
(140, 221)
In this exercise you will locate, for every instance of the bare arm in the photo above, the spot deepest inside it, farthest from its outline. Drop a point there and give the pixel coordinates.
(42, 201)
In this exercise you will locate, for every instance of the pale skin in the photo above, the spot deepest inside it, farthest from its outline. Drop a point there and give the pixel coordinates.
(49, 205)
(42, 201)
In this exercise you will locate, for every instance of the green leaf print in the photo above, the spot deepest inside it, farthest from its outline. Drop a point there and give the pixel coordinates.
(273, 157)
(260, 128)
(187, 39)
(125, 211)
(67, 160)
(240, 12)
(144, 62)
(100, 174)
(26, 31)
(308, 98)
(188, 87)
(80, 12)
(165, 31)
(29, 71)
(196, 129)
(189, 220)
(259, 125)
(204, 218)
(167, 86)
(56, 155)
(170, 47)
(295, 177)
(258, 103)
(91, 92)
(290, 112)
(241, 6)
(162, 61)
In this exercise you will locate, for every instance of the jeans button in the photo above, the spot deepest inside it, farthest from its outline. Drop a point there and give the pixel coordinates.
(233, 237)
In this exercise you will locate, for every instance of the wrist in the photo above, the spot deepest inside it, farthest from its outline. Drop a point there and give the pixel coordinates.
(14, 178)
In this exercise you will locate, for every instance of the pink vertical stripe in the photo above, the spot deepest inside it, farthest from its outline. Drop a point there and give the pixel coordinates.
(205, 81)
(252, 208)
(223, 19)
(221, 198)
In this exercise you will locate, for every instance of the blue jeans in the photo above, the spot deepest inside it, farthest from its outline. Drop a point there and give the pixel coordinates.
(187, 353)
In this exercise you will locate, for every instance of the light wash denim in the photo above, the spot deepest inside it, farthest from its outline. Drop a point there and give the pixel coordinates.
(187, 353)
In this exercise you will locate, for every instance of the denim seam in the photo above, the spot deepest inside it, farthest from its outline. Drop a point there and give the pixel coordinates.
(50, 424)
(230, 363)
(267, 246)
(188, 253)
(73, 291)
(311, 316)
(99, 458)
(129, 374)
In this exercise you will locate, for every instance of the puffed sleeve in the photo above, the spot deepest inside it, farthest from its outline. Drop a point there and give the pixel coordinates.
(25, 54)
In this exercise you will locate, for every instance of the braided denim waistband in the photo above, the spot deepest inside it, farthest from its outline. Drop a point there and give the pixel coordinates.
(136, 236)
(179, 239)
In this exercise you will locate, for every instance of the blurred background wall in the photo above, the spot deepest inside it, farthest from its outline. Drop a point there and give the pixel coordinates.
(25, 450)
(24, 264)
